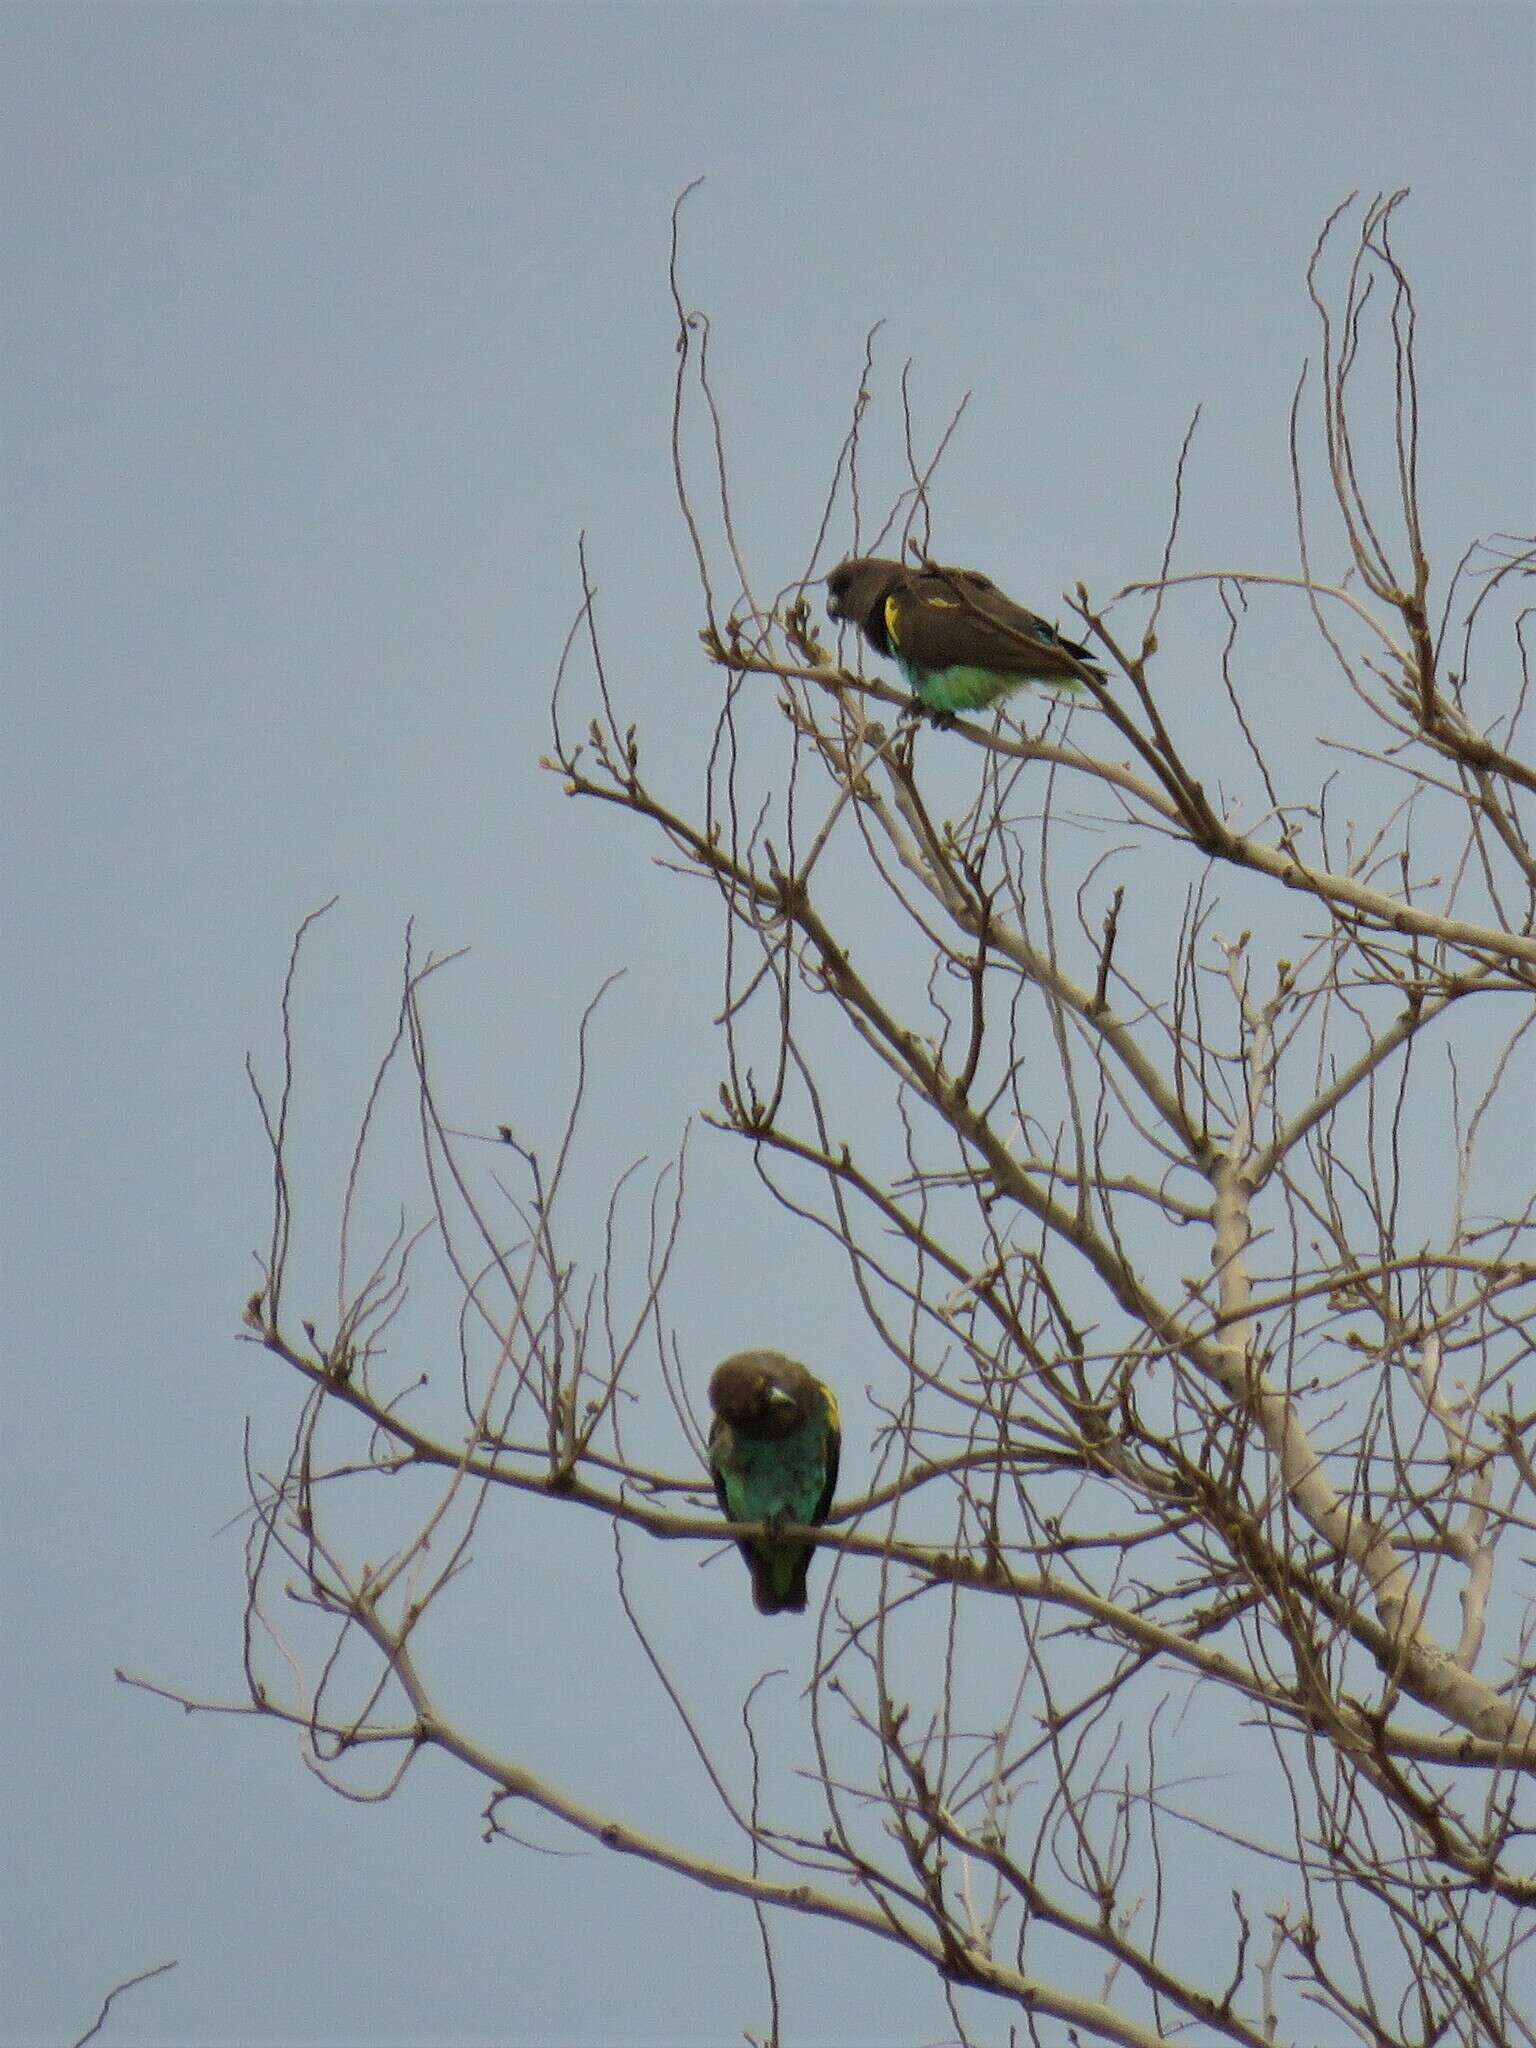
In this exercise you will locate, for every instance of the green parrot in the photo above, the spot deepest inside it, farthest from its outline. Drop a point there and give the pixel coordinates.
(773, 1451)
(960, 643)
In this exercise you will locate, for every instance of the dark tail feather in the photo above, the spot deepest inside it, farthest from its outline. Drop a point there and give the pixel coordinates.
(778, 1578)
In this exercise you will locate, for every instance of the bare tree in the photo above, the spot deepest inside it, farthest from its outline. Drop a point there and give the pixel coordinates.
(1174, 1191)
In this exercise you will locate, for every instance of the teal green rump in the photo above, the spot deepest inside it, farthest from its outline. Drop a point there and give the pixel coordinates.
(958, 640)
(959, 689)
(773, 1455)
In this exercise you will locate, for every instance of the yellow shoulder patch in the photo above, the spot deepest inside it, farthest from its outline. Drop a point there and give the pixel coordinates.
(893, 616)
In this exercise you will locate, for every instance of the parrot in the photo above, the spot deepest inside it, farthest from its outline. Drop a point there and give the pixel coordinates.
(960, 643)
(773, 1454)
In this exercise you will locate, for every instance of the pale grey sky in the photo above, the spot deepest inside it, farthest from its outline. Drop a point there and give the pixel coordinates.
(327, 330)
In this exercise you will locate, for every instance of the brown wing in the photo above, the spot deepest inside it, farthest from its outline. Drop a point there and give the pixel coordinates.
(834, 1453)
(719, 1429)
(957, 619)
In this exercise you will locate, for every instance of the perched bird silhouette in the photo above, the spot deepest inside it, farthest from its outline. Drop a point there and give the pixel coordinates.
(773, 1451)
(960, 643)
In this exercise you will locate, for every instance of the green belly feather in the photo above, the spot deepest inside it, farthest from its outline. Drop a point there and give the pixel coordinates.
(777, 1481)
(782, 1478)
(973, 689)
